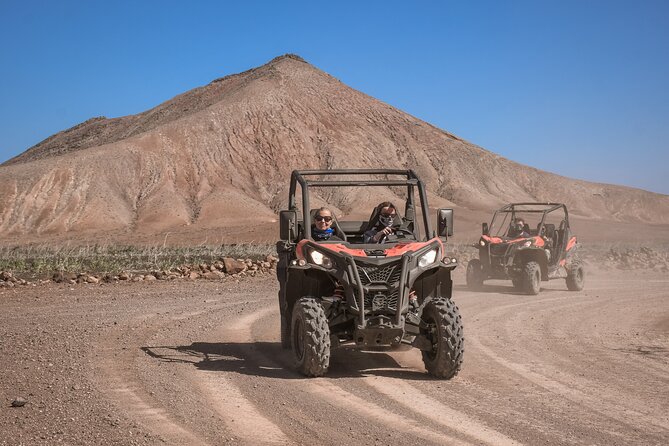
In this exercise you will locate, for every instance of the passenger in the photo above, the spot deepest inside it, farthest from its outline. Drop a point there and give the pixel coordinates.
(518, 229)
(383, 226)
(322, 229)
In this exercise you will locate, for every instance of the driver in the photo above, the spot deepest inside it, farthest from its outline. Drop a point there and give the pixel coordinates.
(384, 224)
(517, 229)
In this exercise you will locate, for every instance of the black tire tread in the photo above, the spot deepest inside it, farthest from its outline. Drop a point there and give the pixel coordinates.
(285, 333)
(575, 282)
(450, 349)
(530, 270)
(316, 358)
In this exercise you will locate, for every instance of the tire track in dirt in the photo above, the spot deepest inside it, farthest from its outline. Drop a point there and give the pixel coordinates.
(126, 391)
(583, 392)
(124, 387)
(321, 389)
(239, 414)
(349, 401)
(465, 428)
(418, 402)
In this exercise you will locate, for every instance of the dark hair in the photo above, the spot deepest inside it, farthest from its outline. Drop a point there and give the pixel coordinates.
(386, 204)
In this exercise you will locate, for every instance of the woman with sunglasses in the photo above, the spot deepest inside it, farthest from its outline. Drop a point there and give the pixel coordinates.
(322, 227)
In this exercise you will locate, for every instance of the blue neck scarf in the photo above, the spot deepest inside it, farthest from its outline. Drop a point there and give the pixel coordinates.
(322, 235)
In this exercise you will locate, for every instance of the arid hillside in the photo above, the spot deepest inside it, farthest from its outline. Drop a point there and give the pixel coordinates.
(214, 162)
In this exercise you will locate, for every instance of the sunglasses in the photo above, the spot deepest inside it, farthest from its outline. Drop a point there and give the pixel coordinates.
(388, 215)
(325, 219)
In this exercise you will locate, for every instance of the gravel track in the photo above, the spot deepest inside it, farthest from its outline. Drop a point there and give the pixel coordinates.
(200, 363)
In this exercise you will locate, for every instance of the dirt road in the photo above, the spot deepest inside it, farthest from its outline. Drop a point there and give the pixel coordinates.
(200, 363)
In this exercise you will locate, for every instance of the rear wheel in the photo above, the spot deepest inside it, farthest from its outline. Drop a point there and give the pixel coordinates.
(474, 274)
(531, 278)
(310, 337)
(575, 277)
(443, 328)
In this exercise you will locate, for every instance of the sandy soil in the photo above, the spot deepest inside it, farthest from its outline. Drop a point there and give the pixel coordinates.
(200, 363)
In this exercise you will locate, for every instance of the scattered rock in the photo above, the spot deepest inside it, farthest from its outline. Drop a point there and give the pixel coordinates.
(19, 402)
(233, 266)
(213, 275)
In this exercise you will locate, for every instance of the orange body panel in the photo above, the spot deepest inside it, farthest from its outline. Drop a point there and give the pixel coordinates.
(538, 241)
(396, 250)
(572, 243)
(400, 249)
(491, 239)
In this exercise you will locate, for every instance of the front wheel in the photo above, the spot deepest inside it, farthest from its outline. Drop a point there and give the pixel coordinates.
(310, 337)
(474, 274)
(532, 278)
(443, 328)
(576, 277)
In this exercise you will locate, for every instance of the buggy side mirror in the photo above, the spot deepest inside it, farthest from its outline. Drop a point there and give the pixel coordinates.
(288, 225)
(484, 229)
(445, 222)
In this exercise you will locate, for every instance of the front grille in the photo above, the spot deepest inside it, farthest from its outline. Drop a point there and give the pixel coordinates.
(384, 281)
(380, 274)
(498, 249)
(376, 301)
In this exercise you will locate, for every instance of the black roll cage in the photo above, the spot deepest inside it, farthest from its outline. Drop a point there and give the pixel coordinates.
(548, 208)
(411, 181)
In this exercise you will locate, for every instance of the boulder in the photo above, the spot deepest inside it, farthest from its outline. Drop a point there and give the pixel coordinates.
(233, 266)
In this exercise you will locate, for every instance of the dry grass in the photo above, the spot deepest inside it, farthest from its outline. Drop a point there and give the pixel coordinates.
(41, 261)
(44, 260)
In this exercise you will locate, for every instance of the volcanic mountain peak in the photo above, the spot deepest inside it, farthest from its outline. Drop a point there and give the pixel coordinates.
(219, 156)
(100, 130)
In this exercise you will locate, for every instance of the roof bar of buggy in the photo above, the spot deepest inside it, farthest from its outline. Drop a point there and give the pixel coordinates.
(511, 207)
(298, 176)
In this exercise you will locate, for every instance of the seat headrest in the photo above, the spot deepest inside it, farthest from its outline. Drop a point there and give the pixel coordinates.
(549, 229)
(374, 218)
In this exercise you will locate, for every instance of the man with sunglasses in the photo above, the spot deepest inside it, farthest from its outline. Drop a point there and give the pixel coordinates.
(322, 227)
(384, 224)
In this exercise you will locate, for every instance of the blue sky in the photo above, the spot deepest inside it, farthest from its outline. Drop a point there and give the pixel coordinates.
(579, 88)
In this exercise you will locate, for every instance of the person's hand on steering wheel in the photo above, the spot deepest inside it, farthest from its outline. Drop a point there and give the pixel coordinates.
(383, 233)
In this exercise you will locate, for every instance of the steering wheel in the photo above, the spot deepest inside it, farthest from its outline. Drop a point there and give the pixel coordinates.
(404, 231)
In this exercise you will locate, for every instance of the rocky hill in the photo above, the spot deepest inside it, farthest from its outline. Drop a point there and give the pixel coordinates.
(218, 158)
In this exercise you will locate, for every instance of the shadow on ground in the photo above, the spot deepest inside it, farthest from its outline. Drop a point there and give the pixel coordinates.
(269, 360)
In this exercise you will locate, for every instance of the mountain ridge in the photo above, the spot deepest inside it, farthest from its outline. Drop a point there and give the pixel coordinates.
(220, 155)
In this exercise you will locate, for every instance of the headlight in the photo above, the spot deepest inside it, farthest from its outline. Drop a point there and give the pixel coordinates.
(428, 258)
(320, 259)
(527, 244)
(482, 242)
